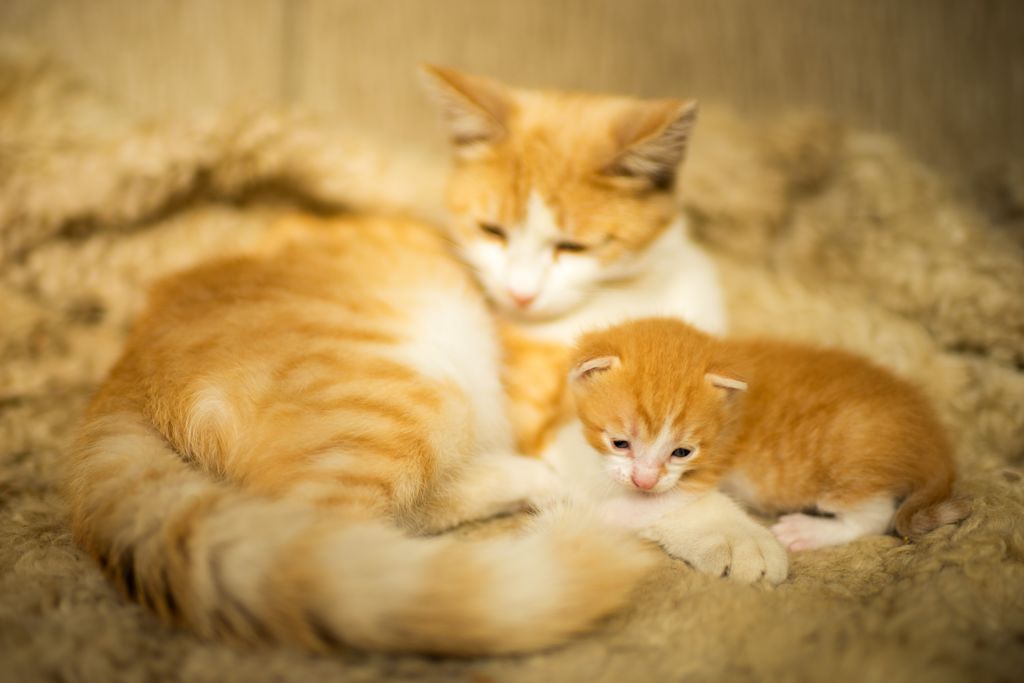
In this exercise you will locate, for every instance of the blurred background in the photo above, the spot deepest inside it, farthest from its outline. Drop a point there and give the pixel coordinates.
(945, 76)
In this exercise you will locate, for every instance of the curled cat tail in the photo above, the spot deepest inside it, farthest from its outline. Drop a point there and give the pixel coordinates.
(200, 552)
(930, 506)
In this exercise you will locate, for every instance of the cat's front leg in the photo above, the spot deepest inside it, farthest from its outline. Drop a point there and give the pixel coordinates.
(714, 535)
(493, 484)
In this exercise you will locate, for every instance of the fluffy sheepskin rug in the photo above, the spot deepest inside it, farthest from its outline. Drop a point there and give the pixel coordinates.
(822, 234)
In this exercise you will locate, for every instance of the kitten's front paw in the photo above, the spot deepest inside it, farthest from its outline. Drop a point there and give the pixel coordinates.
(744, 553)
(758, 554)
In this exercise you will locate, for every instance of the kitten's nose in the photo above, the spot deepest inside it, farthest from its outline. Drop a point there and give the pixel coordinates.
(521, 300)
(645, 480)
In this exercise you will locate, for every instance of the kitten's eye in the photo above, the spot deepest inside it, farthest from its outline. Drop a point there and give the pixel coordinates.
(570, 247)
(681, 453)
(620, 444)
(493, 230)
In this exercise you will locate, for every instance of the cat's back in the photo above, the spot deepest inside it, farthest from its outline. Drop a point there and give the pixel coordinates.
(323, 304)
(315, 257)
(308, 274)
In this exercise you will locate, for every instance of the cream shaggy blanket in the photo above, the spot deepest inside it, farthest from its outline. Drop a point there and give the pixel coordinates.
(822, 234)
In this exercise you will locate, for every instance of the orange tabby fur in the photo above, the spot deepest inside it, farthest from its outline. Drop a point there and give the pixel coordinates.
(275, 421)
(812, 428)
(534, 374)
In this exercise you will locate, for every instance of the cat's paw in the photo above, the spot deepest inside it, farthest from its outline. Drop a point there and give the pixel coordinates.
(745, 553)
(759, 555)
(755, 554)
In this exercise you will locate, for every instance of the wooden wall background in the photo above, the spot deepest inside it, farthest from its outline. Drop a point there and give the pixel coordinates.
(947, 76)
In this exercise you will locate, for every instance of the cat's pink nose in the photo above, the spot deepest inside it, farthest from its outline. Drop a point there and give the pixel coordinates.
(521, 300)
(644, 480)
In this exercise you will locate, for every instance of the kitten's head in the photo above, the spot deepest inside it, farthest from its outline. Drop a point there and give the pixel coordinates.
(654, 399)
(554, 194)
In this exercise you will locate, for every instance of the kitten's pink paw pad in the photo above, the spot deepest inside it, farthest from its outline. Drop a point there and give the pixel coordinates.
(804, 532)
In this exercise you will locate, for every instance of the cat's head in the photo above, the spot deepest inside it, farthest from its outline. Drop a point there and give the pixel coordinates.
(654, 399)
(556, 194)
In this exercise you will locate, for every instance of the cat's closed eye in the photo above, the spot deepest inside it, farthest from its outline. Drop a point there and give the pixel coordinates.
(493, 230)
(681, 453)
(570, 247)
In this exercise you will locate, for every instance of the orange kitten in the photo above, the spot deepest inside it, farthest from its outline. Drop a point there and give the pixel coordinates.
(278, 425)
(785, 427)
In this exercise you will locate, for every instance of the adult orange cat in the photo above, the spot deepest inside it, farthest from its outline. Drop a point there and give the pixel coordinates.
(785, 427)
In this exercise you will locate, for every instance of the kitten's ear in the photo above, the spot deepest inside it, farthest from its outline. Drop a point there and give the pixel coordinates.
(653, 136)
(592, 366)
(731, 385)
(476, 109)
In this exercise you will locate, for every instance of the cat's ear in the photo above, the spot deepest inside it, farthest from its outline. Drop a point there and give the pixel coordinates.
(653, 137)
(476, 109)
(730, 385)
(592, 366)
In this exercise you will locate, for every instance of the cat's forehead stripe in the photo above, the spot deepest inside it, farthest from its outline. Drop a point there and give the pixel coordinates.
(646, 417)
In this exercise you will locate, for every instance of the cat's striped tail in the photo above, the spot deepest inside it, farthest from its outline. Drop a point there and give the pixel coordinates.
(230, 564)
(930, 506)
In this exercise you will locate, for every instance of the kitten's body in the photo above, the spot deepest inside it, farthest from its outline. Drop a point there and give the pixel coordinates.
(275, 421)
(785, 427)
